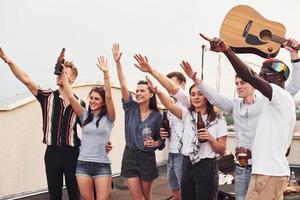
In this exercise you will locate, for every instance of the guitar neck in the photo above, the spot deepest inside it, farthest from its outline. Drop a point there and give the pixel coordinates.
(281, 40)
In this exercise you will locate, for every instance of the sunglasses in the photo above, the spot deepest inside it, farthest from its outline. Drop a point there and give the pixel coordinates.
(281, 67)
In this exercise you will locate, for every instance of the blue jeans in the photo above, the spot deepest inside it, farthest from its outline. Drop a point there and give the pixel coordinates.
(93, 169)
(242, 180)
(174, 170)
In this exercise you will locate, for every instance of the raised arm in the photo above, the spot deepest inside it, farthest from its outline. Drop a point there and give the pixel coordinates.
(123, 84)
(20, 74)
(243, 70)
(144, 66)
(166, 100)
(78, 109)
(102, 65)
(214, 97)
(293, 86)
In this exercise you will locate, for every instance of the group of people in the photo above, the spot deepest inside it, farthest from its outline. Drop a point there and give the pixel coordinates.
(263, 121)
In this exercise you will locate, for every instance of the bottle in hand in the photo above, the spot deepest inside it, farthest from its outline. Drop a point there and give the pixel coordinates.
(166, 124)
(200, 125)
(60, 61)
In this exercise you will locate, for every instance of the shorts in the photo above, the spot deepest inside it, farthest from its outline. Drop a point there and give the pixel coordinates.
(92, 169)
(137, 163)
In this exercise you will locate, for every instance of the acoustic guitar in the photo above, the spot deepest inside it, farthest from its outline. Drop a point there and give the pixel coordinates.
(246, 31)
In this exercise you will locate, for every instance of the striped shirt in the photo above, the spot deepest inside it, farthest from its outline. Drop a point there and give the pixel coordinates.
(59, 122)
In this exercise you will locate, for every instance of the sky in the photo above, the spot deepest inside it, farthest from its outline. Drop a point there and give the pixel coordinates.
(34, 31)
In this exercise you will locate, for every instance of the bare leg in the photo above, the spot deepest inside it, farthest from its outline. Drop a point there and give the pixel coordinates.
(135, 188)
(147, 189)
(86, 187)
(103, 185)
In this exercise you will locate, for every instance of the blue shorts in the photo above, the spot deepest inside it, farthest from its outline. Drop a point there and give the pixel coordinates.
(92, 169)
(174, 169)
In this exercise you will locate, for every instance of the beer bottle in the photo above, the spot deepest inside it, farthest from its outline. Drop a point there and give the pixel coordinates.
(200, 125)
(60, 61)
(166, 124)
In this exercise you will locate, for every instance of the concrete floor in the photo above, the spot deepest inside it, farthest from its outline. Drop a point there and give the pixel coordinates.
(160, 189)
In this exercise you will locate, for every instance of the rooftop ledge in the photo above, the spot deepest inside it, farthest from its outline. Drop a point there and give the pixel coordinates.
(23, 99)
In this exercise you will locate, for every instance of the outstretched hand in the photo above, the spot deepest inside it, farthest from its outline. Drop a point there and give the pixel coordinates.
(116, 52)
(151, 86)
(188, 69)
(4, 57)
(216, 44)
(143, 63)
(102, 64)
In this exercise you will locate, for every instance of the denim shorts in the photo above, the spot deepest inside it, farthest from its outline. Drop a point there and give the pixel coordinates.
(174, 169)
(92, 169)
(137, 163)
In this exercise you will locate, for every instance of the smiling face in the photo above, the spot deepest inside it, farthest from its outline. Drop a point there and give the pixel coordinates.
(143, 94)
(243, 88)
(198, 100)
(95, 101)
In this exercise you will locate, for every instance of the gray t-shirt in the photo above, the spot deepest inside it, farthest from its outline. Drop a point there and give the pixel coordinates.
(93, 140)
(134, 125)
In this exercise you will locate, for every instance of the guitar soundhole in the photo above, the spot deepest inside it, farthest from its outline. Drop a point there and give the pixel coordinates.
(265, 35)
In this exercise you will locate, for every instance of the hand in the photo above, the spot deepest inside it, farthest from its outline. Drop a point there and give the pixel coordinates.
(143, 63)
(64, 78)
(102, 64)
(151, 86)
(216, 44)
(108, 146)
(149, 142)
(203, 134)
(292, 46)
(4, 57)
(61, 57)
(188, 69)
(163, 134)
(116, 52)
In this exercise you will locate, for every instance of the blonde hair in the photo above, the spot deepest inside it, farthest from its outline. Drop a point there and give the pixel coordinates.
(70, 64)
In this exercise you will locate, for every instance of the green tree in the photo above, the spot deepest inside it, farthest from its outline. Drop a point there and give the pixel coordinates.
(229, 118)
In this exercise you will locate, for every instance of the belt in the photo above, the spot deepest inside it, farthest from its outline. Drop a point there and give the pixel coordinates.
(246, 166)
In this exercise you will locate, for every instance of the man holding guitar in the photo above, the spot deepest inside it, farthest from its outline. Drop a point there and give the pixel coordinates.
(275, 123)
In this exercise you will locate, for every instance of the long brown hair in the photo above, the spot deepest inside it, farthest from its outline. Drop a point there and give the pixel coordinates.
(211, 113)
(103, 112)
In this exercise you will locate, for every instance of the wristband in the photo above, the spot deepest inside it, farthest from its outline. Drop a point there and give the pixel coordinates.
(296, 60)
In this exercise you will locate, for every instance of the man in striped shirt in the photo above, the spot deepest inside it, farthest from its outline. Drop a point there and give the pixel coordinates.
(59, 128)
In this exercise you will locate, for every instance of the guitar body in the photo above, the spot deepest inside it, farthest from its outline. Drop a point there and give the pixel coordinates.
(246, 31)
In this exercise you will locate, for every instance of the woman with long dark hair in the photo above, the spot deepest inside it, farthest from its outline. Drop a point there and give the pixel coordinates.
(199, 171)
(142, 124)
(93, 166)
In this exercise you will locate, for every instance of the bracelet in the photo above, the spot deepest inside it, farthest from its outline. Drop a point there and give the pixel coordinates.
(296, 60)
(106, 77)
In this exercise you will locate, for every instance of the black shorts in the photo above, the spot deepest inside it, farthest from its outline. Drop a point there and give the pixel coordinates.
(137, 163)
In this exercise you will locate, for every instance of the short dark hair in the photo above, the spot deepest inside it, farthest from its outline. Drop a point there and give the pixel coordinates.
(180, 77)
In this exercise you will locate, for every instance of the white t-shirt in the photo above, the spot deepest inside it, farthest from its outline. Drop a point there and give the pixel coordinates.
(182, 100)
(274, 134)
(217, 130)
